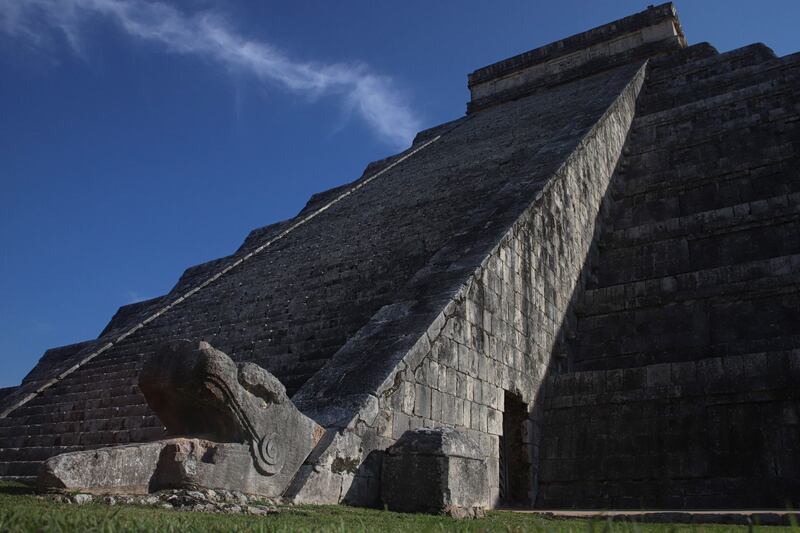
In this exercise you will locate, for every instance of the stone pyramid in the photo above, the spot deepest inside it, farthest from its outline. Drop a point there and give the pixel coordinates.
(594, 275)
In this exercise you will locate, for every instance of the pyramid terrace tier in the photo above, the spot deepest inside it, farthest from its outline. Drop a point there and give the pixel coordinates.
(686, 342)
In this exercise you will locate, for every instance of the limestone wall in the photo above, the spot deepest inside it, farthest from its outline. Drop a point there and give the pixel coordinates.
(501, 333)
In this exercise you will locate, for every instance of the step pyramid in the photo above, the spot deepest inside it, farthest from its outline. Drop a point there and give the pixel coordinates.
(607, 242)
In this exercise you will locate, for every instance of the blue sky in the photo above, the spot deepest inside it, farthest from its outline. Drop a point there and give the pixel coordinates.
(138, 138)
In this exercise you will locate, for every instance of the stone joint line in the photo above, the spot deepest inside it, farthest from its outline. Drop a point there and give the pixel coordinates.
(213, 278)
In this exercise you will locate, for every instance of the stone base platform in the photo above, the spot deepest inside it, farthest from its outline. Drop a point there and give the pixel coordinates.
(180, 463)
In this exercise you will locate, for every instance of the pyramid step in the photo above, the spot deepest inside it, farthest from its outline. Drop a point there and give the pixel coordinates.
(758, 321)
(15, 470)
(34, 453)
(604, 356)
(704, 223)
(78, 402)
(729, 243)
(684, 56)
(85, 424)
(671, 175)
(27, 480)
(22, 441)
(116, 363)
(724, 281)
(90, 387)
(101, 365)
(119, 361)
(717, 141)
(745, 122)
(685, 198)
(666, 73)
(662, 101)
(745, 125)
(714, 79)
(730, 106)
(64, 393)
(89, 373)
(748, 373)
(85, 439)
(72, 413)
(40, 413)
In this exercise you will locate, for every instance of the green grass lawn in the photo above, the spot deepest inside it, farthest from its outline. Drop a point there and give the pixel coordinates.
(22, 510)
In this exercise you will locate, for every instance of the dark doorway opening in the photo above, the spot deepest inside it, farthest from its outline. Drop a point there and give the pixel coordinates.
(515, 471)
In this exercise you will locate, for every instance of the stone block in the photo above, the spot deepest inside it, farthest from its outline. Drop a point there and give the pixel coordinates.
(400, 424)
(166, 464)
(436, 405)
(408, 392)
(475, 416)
(435, 471)
(451, 385)
(445, 409)
(422, 401)
(495, 422)
(659, 375)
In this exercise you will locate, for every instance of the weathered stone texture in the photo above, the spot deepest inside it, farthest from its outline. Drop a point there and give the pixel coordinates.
(119, 469)
(234, 429)
(644, 319)
(198, 391)
(180, 463)
(498, 329)
(435, 471)
(687, 345)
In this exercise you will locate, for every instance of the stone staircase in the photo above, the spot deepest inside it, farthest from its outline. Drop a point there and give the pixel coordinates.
(87, 416)
(687, 353)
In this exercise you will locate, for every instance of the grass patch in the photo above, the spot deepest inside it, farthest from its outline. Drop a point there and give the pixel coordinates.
(22, 510)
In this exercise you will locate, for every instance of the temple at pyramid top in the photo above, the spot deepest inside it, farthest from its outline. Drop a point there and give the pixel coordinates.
(593, 275)
(654, 31)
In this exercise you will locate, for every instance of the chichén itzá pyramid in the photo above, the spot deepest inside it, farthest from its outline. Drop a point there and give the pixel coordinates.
(587, 288)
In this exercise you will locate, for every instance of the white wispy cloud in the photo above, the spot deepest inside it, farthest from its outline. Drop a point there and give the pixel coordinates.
(372, 96)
